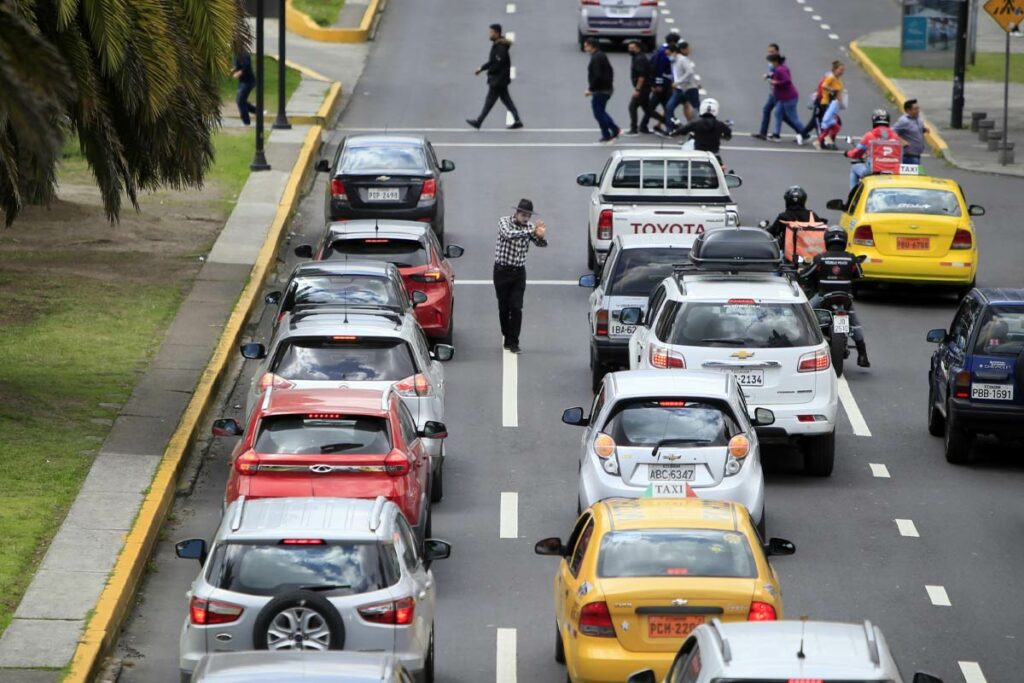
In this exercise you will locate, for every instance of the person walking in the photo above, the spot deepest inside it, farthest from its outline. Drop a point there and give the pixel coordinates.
(769, 105)
(600, 85)
(242, 72)
(499, 76)
(786, 99)
(662, 68)
(911, 129)
(641, 73)
(515, 234)
(684, 87)
(829, 90)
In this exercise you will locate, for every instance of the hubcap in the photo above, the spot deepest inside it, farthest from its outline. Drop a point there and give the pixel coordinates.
(298, 628)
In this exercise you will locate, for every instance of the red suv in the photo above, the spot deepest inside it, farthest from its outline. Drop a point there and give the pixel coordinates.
(341, 443)
(413, 247)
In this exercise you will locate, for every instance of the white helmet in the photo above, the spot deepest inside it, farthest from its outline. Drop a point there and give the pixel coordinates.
(709, 106)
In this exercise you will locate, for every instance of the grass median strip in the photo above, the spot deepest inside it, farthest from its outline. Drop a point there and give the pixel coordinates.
(323, 12)
(988, 66)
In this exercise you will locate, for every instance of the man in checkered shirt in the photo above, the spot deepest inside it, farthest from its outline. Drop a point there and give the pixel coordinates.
(515, 233)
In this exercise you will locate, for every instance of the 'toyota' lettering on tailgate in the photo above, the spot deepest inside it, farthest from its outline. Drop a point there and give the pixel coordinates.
(656, 228)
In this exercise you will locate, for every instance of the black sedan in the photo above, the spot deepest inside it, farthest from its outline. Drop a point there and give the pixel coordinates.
(386, 176)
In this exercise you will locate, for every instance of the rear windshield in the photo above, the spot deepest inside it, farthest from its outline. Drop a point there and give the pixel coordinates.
(382, 157)
(263, 569)
(352, 290)
(1001, 332)
(638, 271)
(403, 253)
(360, 360)
(670, 422)
(913, 200)
(320, 433)
(675, 552)
(661, 174)
(752, 326)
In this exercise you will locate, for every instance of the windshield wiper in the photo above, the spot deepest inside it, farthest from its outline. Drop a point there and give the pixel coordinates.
(325, 587)
(724, 340)
(334, 447)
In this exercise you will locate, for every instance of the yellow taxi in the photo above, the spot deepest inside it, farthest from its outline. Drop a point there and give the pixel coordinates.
(912, 229)
(637, 576)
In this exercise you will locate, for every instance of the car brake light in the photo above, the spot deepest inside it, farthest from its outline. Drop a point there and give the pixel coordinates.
(302, 541)
(815, 361)
(429, 190)
(761, 611)
(648, 3)
(672, 404)
(324, 416)
(664, 359)
(271, 380)
(376, 241)
(962, 240)
(209, 612)
(739, 446)
(864, 236)
(395, 612)
(344, 337)
(596, 621)
(433, 275)
(590, 2)
(604, 225)
(806, 680)
(396, 464)
(416, 385)
(962, 388)
(601, 323)
(338, 190)
(740, 302)
(248, 463)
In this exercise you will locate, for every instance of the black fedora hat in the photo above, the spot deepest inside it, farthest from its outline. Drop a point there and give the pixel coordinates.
(526, 206)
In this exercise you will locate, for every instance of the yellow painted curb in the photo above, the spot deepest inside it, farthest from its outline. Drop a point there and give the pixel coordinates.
(893, 92)
(327, 110)
(104, 627)
(299, 23)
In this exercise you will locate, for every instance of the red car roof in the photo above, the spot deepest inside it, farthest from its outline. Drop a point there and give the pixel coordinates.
(351, 401)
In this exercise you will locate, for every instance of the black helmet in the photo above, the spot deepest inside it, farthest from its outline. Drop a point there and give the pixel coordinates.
(879, 117)
(795, 196)
(835, 238)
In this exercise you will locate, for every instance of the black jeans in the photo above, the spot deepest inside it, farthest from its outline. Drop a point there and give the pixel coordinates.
(495, 93)
(509, 286)
(659, 98)
(642, 102)
(242, 100)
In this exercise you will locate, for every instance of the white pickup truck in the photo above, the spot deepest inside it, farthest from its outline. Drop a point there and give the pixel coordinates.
(656, 192)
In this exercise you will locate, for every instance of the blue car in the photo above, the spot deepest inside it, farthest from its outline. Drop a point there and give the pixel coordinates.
(976, 380)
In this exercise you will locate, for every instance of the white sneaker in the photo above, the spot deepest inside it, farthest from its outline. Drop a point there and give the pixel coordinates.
(799, 139)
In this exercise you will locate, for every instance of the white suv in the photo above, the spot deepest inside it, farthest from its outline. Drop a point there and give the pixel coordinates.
(758, 326)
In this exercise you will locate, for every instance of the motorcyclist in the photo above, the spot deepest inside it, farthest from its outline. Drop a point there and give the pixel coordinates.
(708, 132)
(879, 131)
(835, 270)
(796, 213)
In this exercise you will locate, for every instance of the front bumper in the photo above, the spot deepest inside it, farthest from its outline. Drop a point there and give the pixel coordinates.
(1005, 420)
(610, 351)
(955, 268)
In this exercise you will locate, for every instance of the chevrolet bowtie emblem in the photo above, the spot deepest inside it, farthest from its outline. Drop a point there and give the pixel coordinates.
(679, 602)
(383, 178)
(671, 458)
(743, 355)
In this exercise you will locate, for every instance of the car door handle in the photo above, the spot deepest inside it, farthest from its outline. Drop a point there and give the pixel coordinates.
(422, 595)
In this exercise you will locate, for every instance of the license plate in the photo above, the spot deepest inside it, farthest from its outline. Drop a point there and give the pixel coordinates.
(389, 194)
(673, 626)
(670, 472)
(619, 330)
(618, 11)
(749, 378)
(841, 323)
(992, 392)
(913, 243)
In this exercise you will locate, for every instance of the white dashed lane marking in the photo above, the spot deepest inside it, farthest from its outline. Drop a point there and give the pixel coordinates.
(669, 20)
(833, 36)
(510, 8)
(906, 527)
(825, 27)
(938, 596)
(880, 471)
(816, 17)
(509, 389)
(508, 523)
(505, 663)
(972, 672)
(511, 35)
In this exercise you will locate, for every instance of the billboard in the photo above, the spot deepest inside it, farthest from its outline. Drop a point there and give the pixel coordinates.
(928, 33)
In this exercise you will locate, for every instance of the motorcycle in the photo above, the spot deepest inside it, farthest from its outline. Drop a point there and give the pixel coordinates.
(838, 332)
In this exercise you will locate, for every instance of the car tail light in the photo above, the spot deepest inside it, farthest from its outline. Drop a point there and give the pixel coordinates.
(962, 240)
(739, 446)
(395, 612)
(761, 611)
(664, 359)
(864, 236)
(595, 620)
(815, 361)
(601, 326)
(210, 612)
(396, 464)
(811, 418)
(962, 387)
(432, 275)
(416, 385)
(271, 380)
(248, 463)
(604, 449)
(429, 191)
(338, 190)
(604, 225)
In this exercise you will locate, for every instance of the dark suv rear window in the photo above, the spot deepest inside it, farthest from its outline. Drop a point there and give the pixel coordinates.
(672, 422)
(1001, 332)
(638, 271)
(352, 290)
(357, 360)
(323, 433)
(403, 253)
(747, 325)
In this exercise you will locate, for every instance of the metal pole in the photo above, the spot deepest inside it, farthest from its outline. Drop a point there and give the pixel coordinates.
(259, 160)
(956, 115)
(1006, 101)
(281, 122)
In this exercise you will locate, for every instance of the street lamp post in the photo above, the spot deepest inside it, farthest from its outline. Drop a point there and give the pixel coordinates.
(281, 122)
(259, 160)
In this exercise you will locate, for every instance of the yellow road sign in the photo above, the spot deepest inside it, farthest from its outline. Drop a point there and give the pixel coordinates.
(1008, 13)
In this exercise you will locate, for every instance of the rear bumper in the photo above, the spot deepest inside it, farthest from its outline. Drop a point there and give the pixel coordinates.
(787, 421)
(1005, 420)
(603, 660)
(344, 211)
(952, 269)
(596, 22)
(435, 314)
(611, 351)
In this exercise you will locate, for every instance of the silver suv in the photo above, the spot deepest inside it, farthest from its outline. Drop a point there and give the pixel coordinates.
(820, 651)
(312, 574)
(619, 20)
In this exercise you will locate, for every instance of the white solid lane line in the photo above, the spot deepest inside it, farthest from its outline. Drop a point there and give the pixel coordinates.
(938, 596)
(906, 527)
(880, 471)
(860, 426)
(509, 389)
(565, 283)
(972, 672)
(505, 669)
(508, 525)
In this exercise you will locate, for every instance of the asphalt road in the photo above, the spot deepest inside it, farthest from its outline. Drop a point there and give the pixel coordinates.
(852, 561)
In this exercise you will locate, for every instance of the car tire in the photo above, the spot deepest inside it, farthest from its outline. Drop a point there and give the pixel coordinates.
(936, 422)
(439, 231)
(582, 40)
(819, 454)
(762, 525)
(295, 603)
(957, 442)
(428, 526)
(450, 334)
(428, 666)
(437, 484)
(837, 349)
(591, 258)
(597, 371)
(559, 646)
(963, 291)
(650, 44)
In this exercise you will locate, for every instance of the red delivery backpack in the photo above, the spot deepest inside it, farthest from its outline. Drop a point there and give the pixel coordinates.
(804, 238)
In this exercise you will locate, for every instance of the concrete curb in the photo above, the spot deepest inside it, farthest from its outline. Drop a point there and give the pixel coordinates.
(893, 92)
(299, 23)
(329, 110)
(104, 626)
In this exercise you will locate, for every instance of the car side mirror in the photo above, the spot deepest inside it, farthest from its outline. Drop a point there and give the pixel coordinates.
(835, 205)
(732, 181)
(418, 298)
(574, 417)
(323, 166)
(587, 180)
(937, 336)
(824, 317)
(436, 549)
(253, 351)
(921, 677)
(763, 224)
(227, 426)
(447, 166)
(550, 546)
(432, 429)
(630, 315)
(589, 280)
(779, 546)
(763, 417)
(272, 299)
(642, 676)
(974, 210)
(443, 352)
(192, 549)
(453, 251)
(304, 251)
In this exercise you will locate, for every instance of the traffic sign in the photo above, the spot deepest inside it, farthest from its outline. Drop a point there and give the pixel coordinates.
(1008, 13)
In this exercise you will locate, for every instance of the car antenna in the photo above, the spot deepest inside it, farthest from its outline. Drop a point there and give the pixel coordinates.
(803, 627)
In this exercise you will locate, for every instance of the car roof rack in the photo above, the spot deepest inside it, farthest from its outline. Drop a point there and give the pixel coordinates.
(734, 250)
